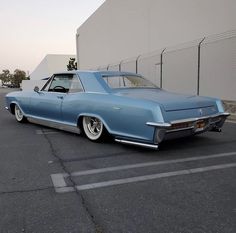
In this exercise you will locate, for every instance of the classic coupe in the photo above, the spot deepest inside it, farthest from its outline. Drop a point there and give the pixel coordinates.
(123, 105)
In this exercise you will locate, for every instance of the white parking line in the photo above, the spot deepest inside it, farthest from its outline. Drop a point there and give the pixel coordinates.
(145, 178)
(58, 180)
(154, 176)
(140, 165)
(61, 186)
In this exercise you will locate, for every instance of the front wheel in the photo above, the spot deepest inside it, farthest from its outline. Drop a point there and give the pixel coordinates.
(93, 128)
(19, 115)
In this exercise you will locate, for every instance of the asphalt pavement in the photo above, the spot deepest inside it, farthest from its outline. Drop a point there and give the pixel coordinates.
(57, 182)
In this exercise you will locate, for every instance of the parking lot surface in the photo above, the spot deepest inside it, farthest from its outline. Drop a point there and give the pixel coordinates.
(54, 181)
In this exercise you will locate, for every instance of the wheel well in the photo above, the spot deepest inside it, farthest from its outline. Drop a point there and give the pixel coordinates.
(12, 107)
(105, 134)
(80, 123)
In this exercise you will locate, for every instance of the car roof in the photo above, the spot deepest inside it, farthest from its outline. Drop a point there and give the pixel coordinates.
(102, 72)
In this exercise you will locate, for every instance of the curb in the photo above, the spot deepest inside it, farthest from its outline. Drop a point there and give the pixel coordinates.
(230, 107)
(232, 117)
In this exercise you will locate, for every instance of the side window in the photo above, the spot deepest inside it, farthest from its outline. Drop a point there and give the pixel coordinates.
(61, 83)
(75, 85)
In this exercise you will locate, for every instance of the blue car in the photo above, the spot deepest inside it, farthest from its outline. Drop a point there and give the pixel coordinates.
(123, 105)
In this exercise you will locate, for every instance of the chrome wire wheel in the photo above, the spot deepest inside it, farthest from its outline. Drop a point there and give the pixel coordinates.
(93, 128)
(19, 115)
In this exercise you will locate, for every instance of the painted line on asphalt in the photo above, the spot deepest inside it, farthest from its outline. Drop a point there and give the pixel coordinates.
(148, 164)
(65, 190)
(154, 176)
(61, 186)
(58, 180)
(146, 178)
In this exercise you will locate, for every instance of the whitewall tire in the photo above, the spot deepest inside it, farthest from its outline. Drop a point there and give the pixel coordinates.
(93, 128)
(19, 115)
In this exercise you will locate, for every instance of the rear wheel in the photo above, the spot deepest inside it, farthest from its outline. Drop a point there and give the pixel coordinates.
(93, 128)
(19, 115)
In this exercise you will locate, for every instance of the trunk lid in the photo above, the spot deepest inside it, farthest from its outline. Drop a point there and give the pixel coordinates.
(170, 101)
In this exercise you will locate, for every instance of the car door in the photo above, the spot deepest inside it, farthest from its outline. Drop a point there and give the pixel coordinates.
(47, 103)
(73, 102)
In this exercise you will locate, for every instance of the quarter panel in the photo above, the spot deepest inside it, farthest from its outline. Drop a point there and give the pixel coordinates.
(121, 116)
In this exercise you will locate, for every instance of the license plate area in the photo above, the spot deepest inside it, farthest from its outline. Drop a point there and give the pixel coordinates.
(200, 125)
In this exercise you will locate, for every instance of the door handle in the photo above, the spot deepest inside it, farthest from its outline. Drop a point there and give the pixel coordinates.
(60, 97)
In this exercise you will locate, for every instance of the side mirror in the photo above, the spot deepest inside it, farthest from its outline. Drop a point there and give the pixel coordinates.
(36, 89)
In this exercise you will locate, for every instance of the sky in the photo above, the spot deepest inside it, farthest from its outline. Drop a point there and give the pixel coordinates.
(30, 29)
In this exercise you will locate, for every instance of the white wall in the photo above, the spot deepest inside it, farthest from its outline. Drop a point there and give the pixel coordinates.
(51, 63)
(29, 85)
(121, 29)
(218, 68)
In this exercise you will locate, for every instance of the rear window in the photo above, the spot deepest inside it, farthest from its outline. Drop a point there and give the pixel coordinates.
(127, 81)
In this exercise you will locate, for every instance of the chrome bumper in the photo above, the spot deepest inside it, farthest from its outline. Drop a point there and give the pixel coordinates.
(163, 130)
(195, 125)
(168, 125)
(224, 114)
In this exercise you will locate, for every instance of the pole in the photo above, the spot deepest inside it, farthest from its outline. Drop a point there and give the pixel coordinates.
(198, 65)
(161, 70)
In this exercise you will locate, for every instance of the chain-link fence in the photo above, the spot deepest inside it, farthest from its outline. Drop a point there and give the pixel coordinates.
(206, 66)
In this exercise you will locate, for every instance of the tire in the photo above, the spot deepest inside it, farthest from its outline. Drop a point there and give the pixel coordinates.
(93, 128)
(19, 115)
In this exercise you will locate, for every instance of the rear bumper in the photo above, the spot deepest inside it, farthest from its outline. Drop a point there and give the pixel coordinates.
(187, 127)
(210, 117)
(179, 128)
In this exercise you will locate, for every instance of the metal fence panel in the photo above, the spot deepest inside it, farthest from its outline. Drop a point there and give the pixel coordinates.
(211, 61)
(218, 68)
(114, 67)
(102, 68)
(149, 67)
(180, 70)
(129, 65)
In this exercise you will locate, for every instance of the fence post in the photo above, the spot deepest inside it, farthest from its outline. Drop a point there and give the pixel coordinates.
(136, 68)
(161, 63)
(198, 65)
(120, 65)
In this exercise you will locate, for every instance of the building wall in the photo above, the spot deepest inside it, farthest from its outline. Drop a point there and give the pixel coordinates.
(51, 63)
(131, 35)
(121, 29)
(29, 85)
